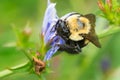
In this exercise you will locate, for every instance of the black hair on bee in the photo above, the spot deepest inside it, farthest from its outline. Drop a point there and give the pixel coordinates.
(77, 31)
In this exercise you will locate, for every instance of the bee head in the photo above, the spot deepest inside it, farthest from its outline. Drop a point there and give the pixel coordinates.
(82, 27)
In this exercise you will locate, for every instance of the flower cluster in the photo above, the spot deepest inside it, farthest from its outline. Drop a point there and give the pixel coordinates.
(111, 10)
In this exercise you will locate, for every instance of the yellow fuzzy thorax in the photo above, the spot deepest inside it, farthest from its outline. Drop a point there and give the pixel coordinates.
(74, 27)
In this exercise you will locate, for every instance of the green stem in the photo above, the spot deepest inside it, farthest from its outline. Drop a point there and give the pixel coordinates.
(108, 32)
(11, 70)
(29, 56)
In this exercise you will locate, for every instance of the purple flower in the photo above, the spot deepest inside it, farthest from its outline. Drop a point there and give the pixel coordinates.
(105, 63)
(49, 32)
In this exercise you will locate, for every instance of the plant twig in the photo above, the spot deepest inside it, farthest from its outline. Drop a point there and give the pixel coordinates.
(29, 56)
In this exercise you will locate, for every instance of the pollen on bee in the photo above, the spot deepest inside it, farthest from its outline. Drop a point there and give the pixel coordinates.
(75, 37)
(86, 41)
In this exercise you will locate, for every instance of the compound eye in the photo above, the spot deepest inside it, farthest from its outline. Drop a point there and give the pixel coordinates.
(81, 24)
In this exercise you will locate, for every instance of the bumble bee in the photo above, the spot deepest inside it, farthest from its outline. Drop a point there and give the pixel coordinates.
(77, 31)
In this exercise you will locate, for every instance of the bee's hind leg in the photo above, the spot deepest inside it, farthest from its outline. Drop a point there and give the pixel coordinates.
(70, 49)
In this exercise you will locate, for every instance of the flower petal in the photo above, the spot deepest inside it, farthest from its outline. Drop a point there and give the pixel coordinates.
(56, 40)
(50, 19)
(51, 52)
(49, 32)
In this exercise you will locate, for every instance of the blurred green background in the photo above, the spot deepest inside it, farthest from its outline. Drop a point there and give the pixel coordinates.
(91, 64)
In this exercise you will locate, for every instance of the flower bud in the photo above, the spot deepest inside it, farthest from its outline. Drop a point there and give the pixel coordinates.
(27, 31)
(101, 5)
(109, 3)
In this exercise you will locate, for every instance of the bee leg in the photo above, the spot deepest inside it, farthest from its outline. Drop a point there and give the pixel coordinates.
(70, 49)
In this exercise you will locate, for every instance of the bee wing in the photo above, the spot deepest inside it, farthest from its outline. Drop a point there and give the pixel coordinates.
(92, 37)
(91, 18)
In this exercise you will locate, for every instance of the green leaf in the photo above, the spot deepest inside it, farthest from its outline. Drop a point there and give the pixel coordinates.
(10, 56)
(21, 76)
